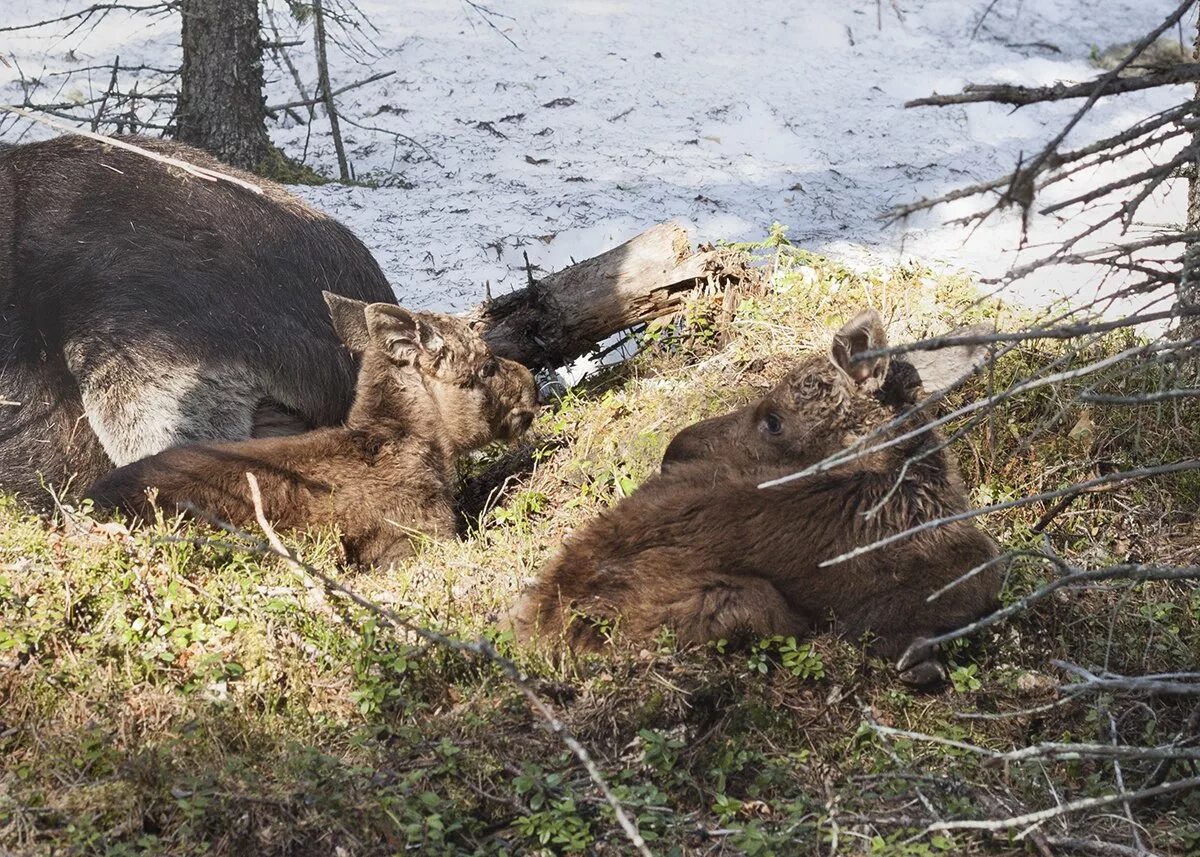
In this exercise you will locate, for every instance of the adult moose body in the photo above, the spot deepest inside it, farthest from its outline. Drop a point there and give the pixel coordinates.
(142, 307)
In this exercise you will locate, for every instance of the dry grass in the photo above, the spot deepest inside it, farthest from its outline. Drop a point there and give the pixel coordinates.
(166, 693)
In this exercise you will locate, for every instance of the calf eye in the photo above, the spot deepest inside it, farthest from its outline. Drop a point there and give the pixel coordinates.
(489, 369)
(772, 423)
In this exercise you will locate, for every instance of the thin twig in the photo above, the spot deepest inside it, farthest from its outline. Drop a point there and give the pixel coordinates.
(1132, 572)
(191, 169)
(1107, 479)
(1031, 818)
(87, 13)
(320, 99)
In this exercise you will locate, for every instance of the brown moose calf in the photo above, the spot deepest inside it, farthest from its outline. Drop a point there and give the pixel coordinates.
(702, 550)
(429, 389)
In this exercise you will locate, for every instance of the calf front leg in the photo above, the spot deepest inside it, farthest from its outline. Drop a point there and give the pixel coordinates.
(732, 607)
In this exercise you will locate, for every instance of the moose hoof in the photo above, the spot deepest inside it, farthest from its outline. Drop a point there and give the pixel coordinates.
(924, 674)
(918, 650)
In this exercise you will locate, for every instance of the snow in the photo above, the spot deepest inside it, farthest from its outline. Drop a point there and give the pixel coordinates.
(609, 116)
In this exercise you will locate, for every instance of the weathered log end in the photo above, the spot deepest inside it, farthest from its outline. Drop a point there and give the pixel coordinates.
(566, 313)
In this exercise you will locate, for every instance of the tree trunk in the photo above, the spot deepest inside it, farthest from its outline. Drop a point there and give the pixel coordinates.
(221, 105)
(1189, 282)
(567, 313)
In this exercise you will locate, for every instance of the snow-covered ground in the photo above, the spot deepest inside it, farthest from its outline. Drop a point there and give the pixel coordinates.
(602, 117)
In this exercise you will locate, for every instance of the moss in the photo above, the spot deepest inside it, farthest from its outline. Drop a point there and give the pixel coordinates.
(280, 168)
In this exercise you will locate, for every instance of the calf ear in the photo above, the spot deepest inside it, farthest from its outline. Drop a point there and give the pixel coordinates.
(862, 333)
(944, 367)
(349, 320)
(407, 337)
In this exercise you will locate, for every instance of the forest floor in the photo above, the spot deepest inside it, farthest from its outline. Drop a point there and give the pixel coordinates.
(172, 691)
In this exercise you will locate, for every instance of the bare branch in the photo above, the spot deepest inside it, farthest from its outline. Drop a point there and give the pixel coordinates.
(99, 8)
(311, 102)
(488, 15)
(1000, 93)
(192, 169)
(1141, 399)
(1066, 331)
(1130, 572)
(1148, 684)
(1107, 479)
(1095, 846)
(1031, 818)
(325, 93)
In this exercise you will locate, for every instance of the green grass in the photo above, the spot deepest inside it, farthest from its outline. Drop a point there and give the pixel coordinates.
(169, 692)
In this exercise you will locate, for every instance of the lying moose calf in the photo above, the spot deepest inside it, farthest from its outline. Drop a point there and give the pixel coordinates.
(429, 389)
(702, 550)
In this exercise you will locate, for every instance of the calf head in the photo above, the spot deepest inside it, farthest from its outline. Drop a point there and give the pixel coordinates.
(824, 404)
(432, 372)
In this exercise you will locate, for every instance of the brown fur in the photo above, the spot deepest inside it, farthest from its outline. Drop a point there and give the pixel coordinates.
(702, 550)
(143, 308)
(429, 390)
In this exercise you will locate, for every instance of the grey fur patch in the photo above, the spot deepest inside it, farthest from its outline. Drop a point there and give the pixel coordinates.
(137, 409)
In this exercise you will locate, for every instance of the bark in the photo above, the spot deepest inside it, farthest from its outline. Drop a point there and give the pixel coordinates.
(567, 313)
(221, 106)
(1188, 292)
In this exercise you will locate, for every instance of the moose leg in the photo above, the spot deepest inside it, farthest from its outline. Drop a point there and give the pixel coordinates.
(140, 401)
(45, 438)
(920, 665)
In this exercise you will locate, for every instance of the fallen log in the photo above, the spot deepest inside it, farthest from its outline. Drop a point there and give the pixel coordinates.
(565, 314)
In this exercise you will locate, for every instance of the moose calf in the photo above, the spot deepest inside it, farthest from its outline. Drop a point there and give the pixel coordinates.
(429, 389)
(702, 550)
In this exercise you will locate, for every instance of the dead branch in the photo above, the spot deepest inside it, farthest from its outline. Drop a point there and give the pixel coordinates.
(1100, 147)
(1046, 751)
(1035, 818)
(1140, 399)
(487, 15)
(1067, 331)
(190, 169)
(291, 67)
(1095, 846)
(397, 135)
(1131, 572)
(1000, 93)
(565, 314)
(1022, 184)
(1108, 479)
(99, 8)
(1167, 684)
(321, 98)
